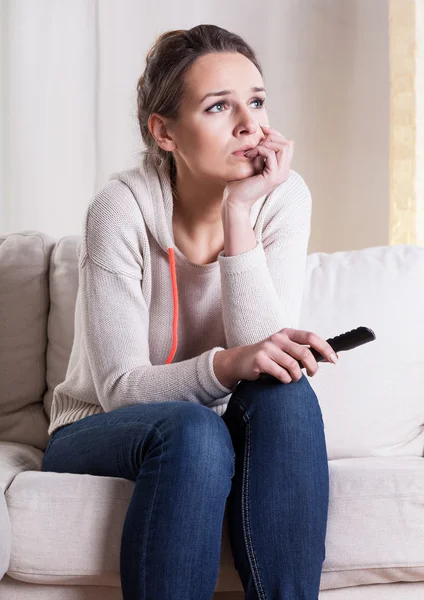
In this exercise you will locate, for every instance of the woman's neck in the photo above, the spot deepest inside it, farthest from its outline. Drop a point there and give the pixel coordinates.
(196, 210)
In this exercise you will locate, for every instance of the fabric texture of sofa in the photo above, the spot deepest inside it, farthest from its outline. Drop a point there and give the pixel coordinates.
(60, 533)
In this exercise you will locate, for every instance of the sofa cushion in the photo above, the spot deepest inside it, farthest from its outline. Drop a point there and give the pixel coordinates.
(5, 536)
(67, 528)
(78, 522)
(24, 304)
(12, 589)
(14, 458)
(61, 323)
(372, 401)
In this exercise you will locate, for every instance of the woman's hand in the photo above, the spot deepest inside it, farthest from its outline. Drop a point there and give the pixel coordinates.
(277, 355)
(278, 153)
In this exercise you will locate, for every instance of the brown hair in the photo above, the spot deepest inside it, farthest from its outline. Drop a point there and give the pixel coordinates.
(160, 88)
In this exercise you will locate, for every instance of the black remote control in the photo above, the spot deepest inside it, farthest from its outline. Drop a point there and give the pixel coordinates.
(344, 341)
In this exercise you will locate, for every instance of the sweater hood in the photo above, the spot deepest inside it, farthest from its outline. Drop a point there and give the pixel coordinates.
(151, 187)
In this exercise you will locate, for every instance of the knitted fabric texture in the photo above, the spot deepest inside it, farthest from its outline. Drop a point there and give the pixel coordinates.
(148, 322)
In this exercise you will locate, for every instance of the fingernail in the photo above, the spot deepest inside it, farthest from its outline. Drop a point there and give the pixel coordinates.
(333, 358)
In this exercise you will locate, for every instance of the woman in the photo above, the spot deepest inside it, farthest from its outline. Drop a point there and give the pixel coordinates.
(191, 274)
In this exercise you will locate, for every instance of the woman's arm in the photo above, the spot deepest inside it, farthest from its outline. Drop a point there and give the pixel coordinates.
(262, 288)
(239, 236)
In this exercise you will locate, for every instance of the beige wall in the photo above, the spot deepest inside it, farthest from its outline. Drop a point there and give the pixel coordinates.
(342, 115)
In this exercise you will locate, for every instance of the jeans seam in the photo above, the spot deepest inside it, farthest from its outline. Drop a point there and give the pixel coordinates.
(245, 509)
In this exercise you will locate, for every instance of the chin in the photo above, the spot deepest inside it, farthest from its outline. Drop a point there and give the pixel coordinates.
(247, 168)
(250, 168)
(246, 165)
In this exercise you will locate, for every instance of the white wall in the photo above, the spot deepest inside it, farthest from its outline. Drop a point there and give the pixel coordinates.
(69, 71)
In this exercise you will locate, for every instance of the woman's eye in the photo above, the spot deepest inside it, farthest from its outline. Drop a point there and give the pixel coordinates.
(261, 103)
(217, 104)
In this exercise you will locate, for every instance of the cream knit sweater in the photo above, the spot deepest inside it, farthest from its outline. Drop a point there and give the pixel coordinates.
(148, 321)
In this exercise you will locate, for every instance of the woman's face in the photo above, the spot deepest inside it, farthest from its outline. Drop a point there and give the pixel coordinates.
(210, 130)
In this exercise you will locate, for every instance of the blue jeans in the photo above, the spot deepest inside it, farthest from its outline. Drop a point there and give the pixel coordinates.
(266, 456)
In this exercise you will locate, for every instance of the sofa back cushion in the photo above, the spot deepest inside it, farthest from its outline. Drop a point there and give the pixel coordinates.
(61, 323)
(24, 307)
(372, 401)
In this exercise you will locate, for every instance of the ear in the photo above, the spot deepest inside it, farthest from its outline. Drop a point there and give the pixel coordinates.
(160, 129)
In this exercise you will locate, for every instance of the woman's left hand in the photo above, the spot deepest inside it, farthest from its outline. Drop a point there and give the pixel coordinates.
(278, 152)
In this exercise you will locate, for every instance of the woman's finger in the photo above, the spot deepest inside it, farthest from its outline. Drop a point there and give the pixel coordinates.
(310, 338)
(270, 155)
(271, 131)
(284, 151)
(289, 155)
(302, 353)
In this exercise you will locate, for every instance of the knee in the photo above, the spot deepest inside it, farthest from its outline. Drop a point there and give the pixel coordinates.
(301, 400)
(296, 400)
(202, 434)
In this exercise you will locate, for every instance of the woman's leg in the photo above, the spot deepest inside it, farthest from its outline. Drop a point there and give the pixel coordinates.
(278, 505)
(181, 457)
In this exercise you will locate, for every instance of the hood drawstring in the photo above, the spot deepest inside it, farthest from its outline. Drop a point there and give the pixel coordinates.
(152, 190)
(175, 306)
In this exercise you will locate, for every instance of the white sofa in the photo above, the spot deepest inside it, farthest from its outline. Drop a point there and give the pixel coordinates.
(372, 404)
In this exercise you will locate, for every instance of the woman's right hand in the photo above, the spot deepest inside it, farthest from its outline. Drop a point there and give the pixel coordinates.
(278, 355)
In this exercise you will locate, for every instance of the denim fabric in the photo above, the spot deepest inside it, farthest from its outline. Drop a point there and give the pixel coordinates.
(266, 457)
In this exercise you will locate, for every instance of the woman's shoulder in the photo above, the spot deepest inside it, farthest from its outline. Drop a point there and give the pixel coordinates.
(114, 228)
(114, 200)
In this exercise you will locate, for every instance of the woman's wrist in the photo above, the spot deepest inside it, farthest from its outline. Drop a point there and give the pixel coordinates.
(239, 236)
(224, 367)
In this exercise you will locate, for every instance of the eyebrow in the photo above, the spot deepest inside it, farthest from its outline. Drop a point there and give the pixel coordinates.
(227, 92)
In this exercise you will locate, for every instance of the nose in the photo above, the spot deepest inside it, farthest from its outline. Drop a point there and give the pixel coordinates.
(249, 127)
(246, 122)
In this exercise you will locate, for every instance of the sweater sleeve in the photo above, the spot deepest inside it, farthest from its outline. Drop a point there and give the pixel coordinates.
(115, 316)
(262, 288)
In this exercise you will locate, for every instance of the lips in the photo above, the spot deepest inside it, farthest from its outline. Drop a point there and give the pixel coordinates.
(241, 155)
(243, 149)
